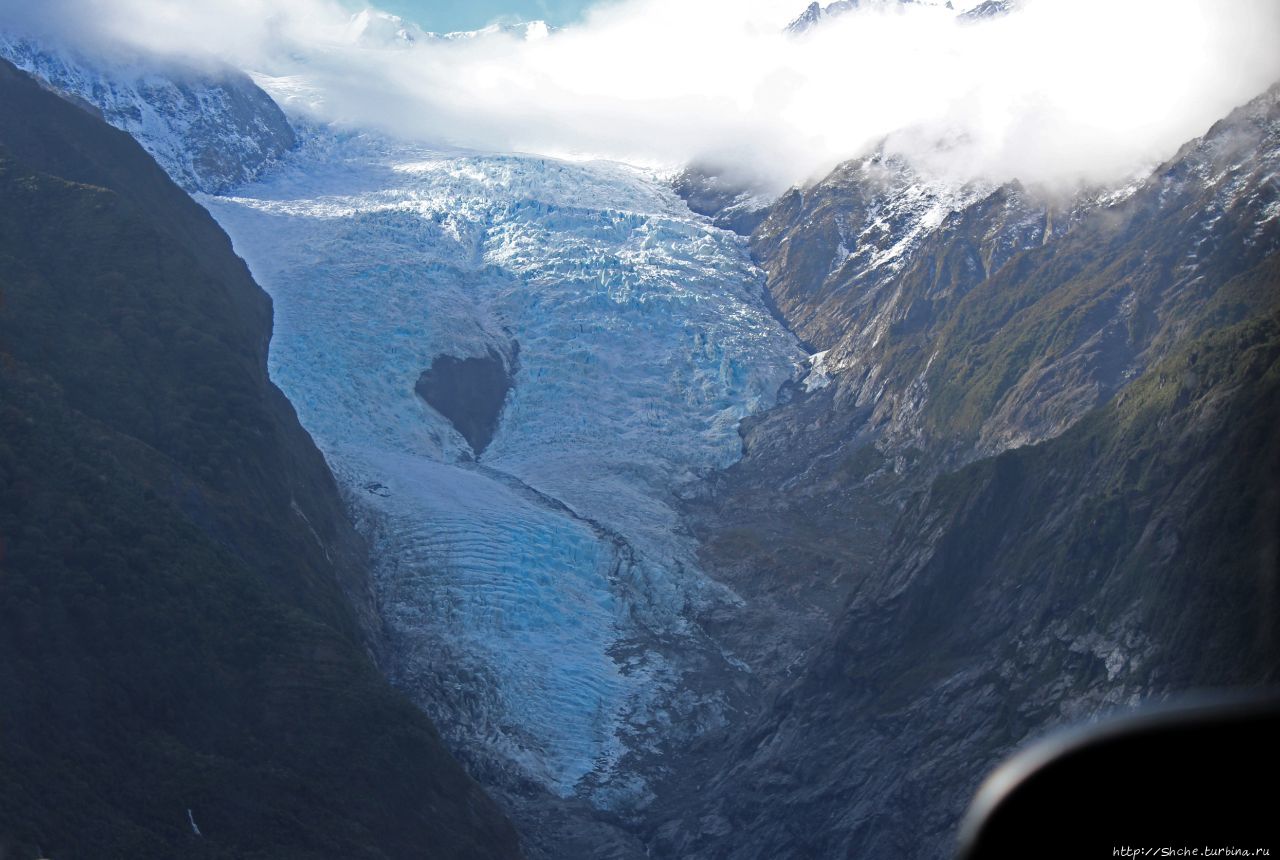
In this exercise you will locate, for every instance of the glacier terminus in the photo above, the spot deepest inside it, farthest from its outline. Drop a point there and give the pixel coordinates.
(540, 596)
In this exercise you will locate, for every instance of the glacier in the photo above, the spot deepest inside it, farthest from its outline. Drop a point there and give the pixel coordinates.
(541, 599)
(538, 597)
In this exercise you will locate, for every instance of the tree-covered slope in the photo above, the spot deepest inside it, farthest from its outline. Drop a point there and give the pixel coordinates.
(184, 620)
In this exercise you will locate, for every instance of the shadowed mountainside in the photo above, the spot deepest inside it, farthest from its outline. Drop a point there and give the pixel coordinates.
(185, 624)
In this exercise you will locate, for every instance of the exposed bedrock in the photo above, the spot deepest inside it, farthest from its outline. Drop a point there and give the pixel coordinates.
(469, 392)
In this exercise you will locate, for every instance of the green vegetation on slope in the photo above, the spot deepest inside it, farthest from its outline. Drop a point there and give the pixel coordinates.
(1080, 471)
(1132, 557)
(1161, 505)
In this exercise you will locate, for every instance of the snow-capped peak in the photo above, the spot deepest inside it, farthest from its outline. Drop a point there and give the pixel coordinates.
(374, 29)
(815, 13)
(371, 28)
(528, 31)
(210, 129)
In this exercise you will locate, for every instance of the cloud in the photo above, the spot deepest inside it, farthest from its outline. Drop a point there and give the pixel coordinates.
(1059, 92)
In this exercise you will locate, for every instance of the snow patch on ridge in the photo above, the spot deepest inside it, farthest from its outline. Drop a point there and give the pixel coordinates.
(209, 130)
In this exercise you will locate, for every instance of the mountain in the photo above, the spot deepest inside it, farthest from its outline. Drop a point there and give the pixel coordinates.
(371, 28)
(731, 203)
(186, 623)
(1031, 477)
(528, 31)
(812, 14)
(962, 335)
(815, 14)
(210, 131)
(988, 9)
(676, 581)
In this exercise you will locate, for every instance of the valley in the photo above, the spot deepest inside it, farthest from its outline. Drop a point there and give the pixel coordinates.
(707, 523)
(541, 598)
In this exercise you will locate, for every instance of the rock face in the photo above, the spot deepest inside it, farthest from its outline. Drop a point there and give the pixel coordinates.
(732, 204)
(185, 613)
(209, 131)
(469, 392)
(976, 319)
(1030, 478)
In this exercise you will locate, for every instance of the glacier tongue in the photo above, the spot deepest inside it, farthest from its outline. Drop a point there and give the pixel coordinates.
(523, 593)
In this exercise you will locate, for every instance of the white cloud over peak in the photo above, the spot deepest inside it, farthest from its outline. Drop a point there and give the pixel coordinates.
(1057, 92)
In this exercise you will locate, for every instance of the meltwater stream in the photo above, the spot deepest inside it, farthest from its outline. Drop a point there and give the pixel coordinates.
(532, 594)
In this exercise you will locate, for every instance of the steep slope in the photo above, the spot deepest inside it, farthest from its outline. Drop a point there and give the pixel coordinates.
(209, 130)
(972, 319)
(1131, 557)
(730, 202)
(1033, 477)
(184, 617)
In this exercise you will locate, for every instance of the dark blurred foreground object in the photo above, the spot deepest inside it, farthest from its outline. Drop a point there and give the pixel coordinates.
(1193, 779)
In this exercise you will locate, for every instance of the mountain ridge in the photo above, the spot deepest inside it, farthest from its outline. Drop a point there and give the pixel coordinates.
(1033, 440)
(210, 130)
(185, 615)
(974, 578)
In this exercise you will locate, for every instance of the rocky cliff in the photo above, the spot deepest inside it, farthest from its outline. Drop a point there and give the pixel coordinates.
(185, 619)
(211, 129)
(1031, 477)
